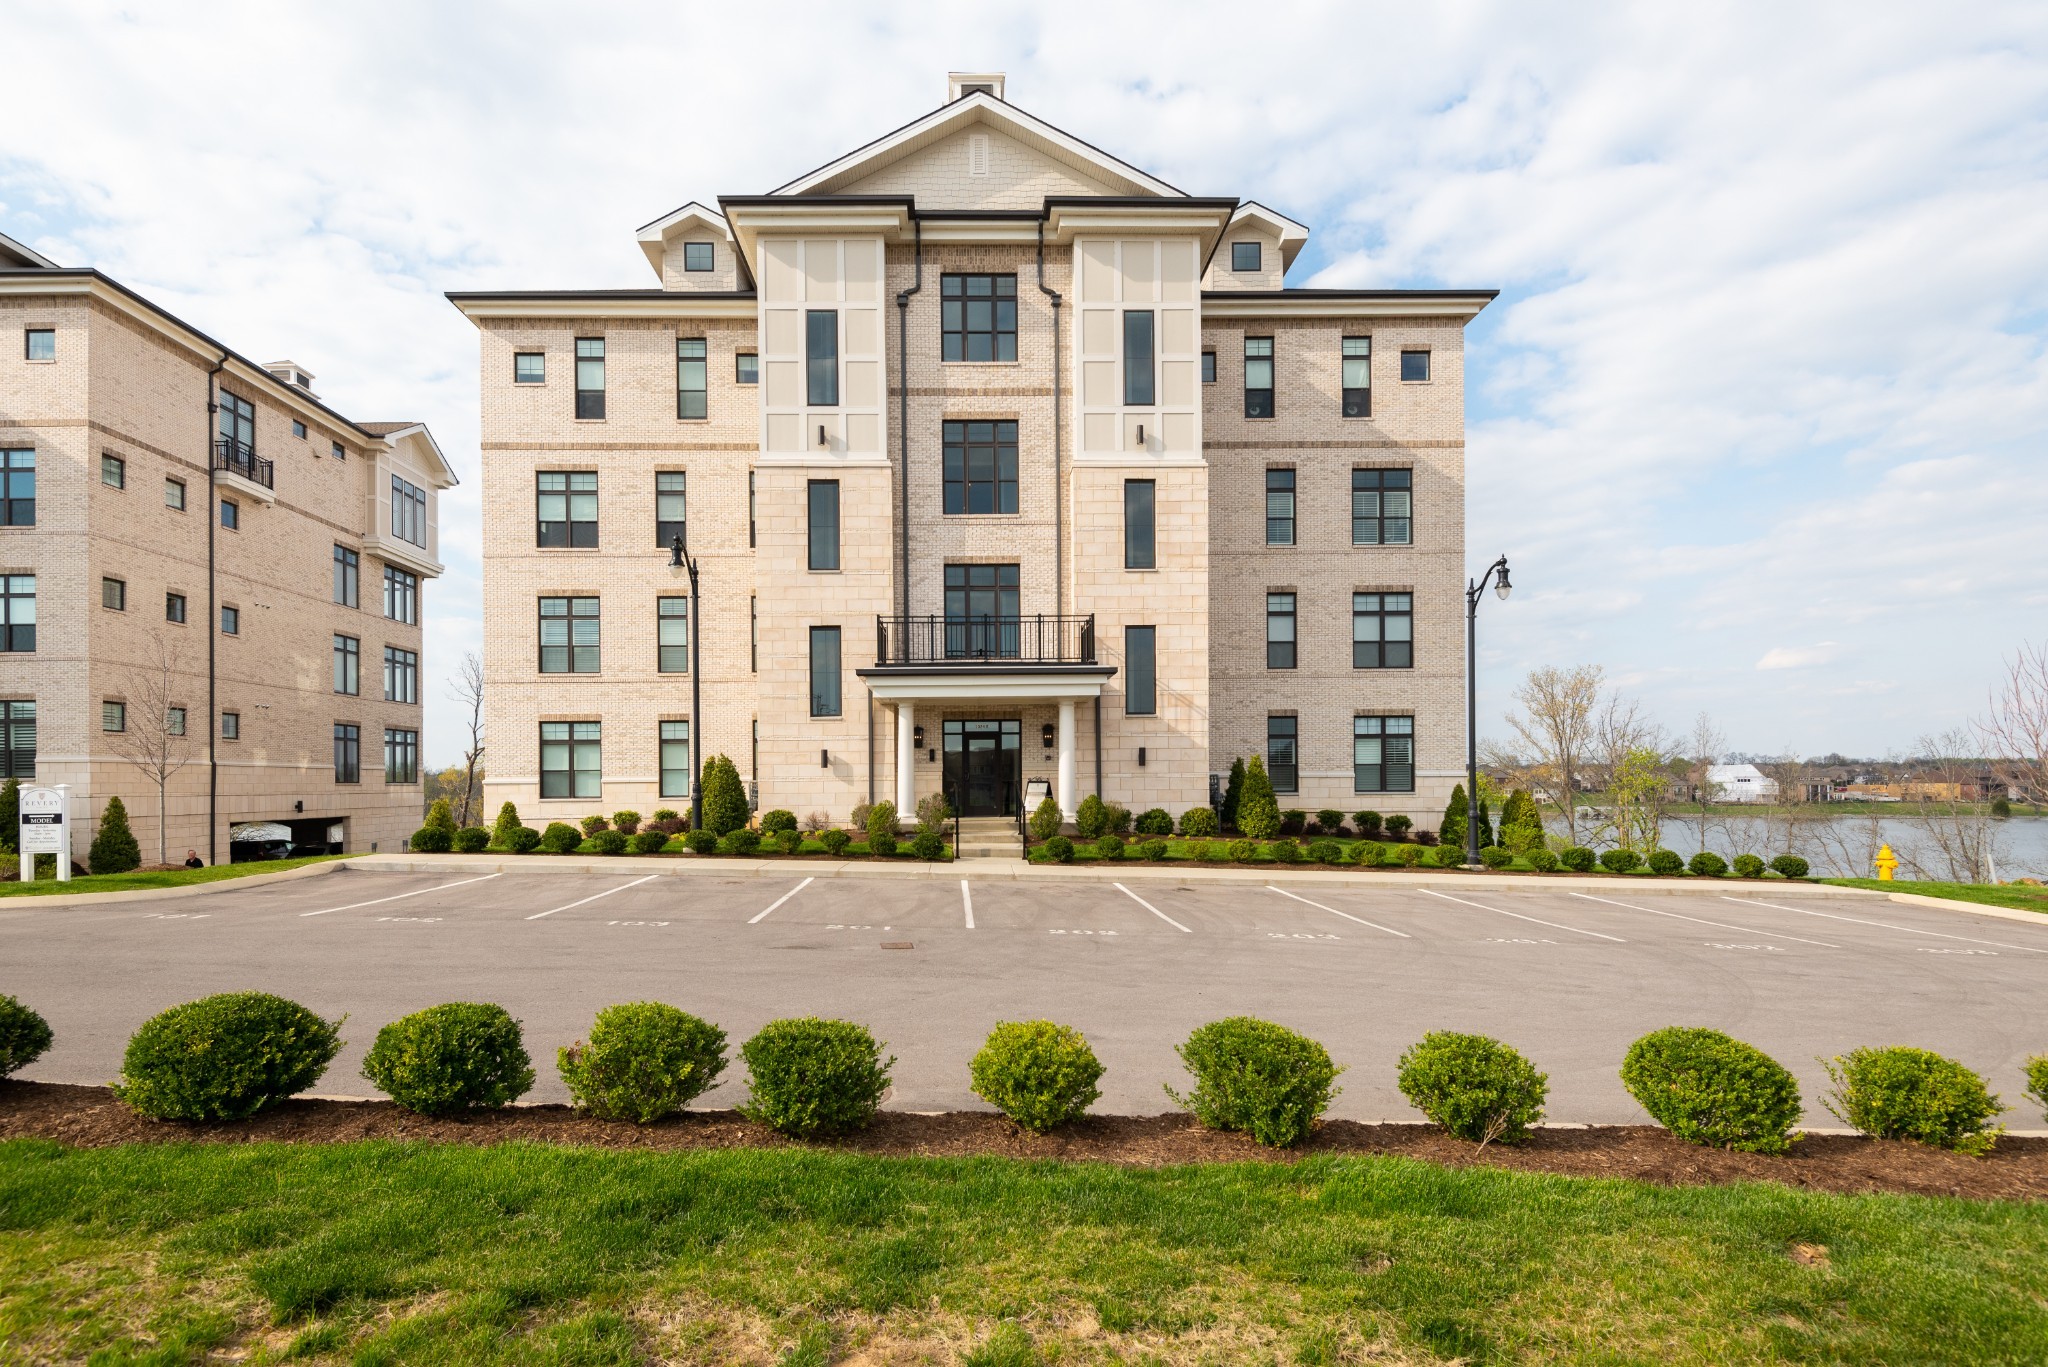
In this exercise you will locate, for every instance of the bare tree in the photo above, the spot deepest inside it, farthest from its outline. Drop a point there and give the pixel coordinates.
(153, 733)
(469, 691)
(1556, 726)
(1706, 743)
(2015, 729)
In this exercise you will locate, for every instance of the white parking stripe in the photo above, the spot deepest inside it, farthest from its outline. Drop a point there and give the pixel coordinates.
(1887, 925)
(1334, 912)
(397, 897)
(1676, 917)
(1154, 910)
(594, 896)
(756, 920)
(1519, 917)
(967, 899)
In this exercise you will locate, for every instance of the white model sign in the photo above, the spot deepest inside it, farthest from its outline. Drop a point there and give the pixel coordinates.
(45, 829)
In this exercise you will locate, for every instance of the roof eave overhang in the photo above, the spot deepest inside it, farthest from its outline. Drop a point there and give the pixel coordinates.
(889, 216)
(936, 683)
(653, 237)
(1461, 304)
(1067, 217)
(1293, 236)
(479, 306)
(444, 472)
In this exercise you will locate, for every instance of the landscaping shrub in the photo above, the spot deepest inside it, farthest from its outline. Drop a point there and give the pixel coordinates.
(933, 812)
(1045, 820)
(593, 824)
(1906, 1093)
(644, 1061)
(1707, 864)
(1748, 866)
(1369, 853)
(1110, 847)
(430, 840)
(1367, 824)
(225, 1057)
(1476, 1087)
(724, 796)
(1243, 851)
(1258, 811)
(1496, 857)
(882, 845)
(626, 823)
(817, 821)
(1038, 1073)
(1331, 820)
(1452, 827)
(522, 840)
(560, 838)
(1284, 851)
(1154, 821)
(1233, 795)
(667, 814)
(440, 816)
(1578, 859)
(1449, 856)
(1619, 861)
(2001, 807)
(1119, 819)
(835, 841)
(2037, 1066)
(650, 842)
(1255, 1076)
(929, 846)
(1207, 851)
(741, 842)
(778, 820)
(1521, 822)
(1198, 823)
(1542, 860)
(1060, 850)
(507, 822)
(1293, 822)
(1091, 818)
(1708, 1088)
(701, 842)
(1791, 865)
(114, 847)
(1398, 825)
(452, 1058)
(1426, 837)
(786, 842)
(1409, 855)
(881, 821)
(24, 1035)
(861, 812)
(1664, 863)
(471, 840)
(1326, 851)
(610, 842)
(1153, 849)
(810, 1076)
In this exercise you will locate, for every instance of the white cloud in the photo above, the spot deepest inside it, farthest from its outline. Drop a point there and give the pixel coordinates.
(1799, 657)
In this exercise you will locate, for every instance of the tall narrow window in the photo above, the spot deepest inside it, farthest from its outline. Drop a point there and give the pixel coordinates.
(1383, 754)
(174, 721)
(1140, 524)
(401, 755)
(569, 636)
(821, 357)
(980, 460)
(174, 607)
(401, 675)
(753, 635)
(1208, 367)
(113, 471)
(750, 510)
(17, 740)
(347, 567)
(672, 635)
(691, 400)
(1141, 671)
(348, 665)
(18, 489)
(1381, 507)
(18, 613)
(1357, 377)
(571, 759)
(1258, 377)
(237, 430)
(230, 621)
(230, 514)
(1279, 507)
(529, 367)
(401, 595)
(408, 511)
(348, 753)
(671, 506)
(1283, 760)
(824, 524)
(675, 759)
(1382, 630)
(590, 377)
(978, 317)
(1138, 388)
(565, 508)
(174, 494)
(1279, 631)
(824, 671)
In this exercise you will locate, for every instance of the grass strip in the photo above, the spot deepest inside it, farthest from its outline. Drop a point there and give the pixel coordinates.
(1986, 894)
(167, 878)
(420, 1253)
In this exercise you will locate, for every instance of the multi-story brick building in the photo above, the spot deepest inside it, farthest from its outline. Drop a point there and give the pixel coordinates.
(184, 528)
(1002, 460)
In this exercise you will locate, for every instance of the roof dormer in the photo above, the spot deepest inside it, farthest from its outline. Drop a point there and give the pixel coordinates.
(692, 249)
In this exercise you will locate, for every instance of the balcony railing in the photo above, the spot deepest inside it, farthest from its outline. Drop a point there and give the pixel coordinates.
(981, 640)
(239, 458)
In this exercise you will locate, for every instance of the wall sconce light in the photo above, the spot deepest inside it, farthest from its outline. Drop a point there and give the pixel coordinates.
(821, 434)
(1141, 434)
(1045, 735)
(299, 806)
(1141, 757)
(917, 736)
(824, 759)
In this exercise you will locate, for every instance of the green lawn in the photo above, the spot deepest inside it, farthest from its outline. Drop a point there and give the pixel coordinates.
(174, 878)
(1994, 895)
(421, 1254)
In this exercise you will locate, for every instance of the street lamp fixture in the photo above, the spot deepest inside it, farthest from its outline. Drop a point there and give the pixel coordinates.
(1497, 575)
(679, 558)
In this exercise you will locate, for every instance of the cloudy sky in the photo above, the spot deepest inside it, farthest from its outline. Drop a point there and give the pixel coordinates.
(1758, 416)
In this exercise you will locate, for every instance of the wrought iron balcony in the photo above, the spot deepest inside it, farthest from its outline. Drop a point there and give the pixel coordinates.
(239, 458)
(984, 640)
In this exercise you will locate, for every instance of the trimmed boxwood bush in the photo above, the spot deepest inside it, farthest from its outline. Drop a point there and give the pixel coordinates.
(786, 842)
(1790, 865)
(1330, 820)
(881, 828)
(560, 838)
(451, 1058)
(1153, 849)
(701, 842)
(1399, 825)
(778, 820)
(1541, 860)
(1619, 861)
(882, 845)
(593, 824)
(835, 841)
(610, 842)
(1091, 818)
(1205, 851)
(1449, 856)
(1284, 851)
(1366, 823)
(1154, 821)
(114, 847)
(1368, 853)
(1748, 866)
(1578, 859)
(1474, 1086)
(1198, 823)
(507, 822)
(2037, 1073)
(650, 842)
(1664, 863)
(1707, 864)
(644, 1060)
(471, 840)
(667, 814)
(1110, 847)
(1255, 1076)
(1496, 857)
(1059, 850)
(741, 842)
(1708, 1088)
(1045, 820)
(24, 1035)
(225, 1057)
(1326, 851)
(812, 1076)
(626, 822)
(1409, 855)
(928, 846)
(1038, 1073)
(523, 840)
(1906, 1093)
(1243, 851)
(1119, 819)
(430, 840)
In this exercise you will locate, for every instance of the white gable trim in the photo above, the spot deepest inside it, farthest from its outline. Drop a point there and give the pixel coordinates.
(1293, 236)
(654, 236)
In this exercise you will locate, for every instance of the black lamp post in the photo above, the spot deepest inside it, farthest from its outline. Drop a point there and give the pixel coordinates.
(679, 558)
(1474, 591)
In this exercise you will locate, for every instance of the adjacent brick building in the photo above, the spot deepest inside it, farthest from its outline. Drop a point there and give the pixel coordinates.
(1002, 461)
(180, 526)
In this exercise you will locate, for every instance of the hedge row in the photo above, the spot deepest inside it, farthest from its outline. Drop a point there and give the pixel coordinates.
(230, 1056)
(1370, 854)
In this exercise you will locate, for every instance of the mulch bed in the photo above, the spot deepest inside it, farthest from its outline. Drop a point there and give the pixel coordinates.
(2017, 1169)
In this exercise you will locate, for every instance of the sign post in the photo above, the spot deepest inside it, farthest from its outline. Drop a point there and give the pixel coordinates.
(46, 829)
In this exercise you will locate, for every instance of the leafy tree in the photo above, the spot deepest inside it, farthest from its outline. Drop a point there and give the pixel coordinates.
(508, 822)
(1521, 822)
(114, 848)
(1485, 816)
(1233, 793)
(1258, 811)
(1639, 789)
(725, 797)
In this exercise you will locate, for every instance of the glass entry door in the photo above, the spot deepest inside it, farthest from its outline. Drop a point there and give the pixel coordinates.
(984, 763)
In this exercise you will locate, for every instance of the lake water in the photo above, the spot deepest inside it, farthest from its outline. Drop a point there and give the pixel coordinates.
(1846, 846)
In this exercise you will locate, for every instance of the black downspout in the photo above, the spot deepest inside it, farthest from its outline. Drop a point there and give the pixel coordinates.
(871, 749)
(1059, 576)
(212, 625)
(903, 412)
(1098, 747)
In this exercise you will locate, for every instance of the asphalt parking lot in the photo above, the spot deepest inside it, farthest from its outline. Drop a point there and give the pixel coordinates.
(931, 965)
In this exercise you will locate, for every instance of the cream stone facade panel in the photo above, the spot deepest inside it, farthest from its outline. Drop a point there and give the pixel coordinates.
(979, 168)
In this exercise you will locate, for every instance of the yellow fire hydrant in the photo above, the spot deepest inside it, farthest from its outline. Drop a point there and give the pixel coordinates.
(1887, 862)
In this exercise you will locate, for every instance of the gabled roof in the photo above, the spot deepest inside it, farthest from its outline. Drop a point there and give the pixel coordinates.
(1293, 236)
(970, 109)
(396, 432)
(654, 236)
(18, 255)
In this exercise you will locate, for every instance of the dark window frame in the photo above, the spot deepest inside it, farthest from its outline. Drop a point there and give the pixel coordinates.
(412, 524)
(117, 589)
(401, 755)
(746, 367)
(537, 375)
(178, 485)
(1388, 621)
(237, 425)
(821, 361)
(1283, 651)
(1140, 359)
(589, 368)
(1417, 353)
(822, 706)
(663, 739)
(693, 379)
(348, 752)
(1209, 367)
(401, 591)
(116, 711)
(29, 337)
(1237, 255)
(1141, 671)
(1258, 365)
(1374, 491)
(175, 607)
(18, 487)
(571, 616)
(116, 466)
(17, 624)
(959, 336)
(230, 515)
(1355, 365)
(348, 570)
(1282, 483)
(822, 535)
(1373, 776)
(1283, 751)
(1141, 511)
(230, 620)
(691, 256)
(671, 657)
(401, 675)
(576, 741)
(231, 726)
(17, 716)
(569, 532)
(978, 461)
(671, 495)
(348, 665)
